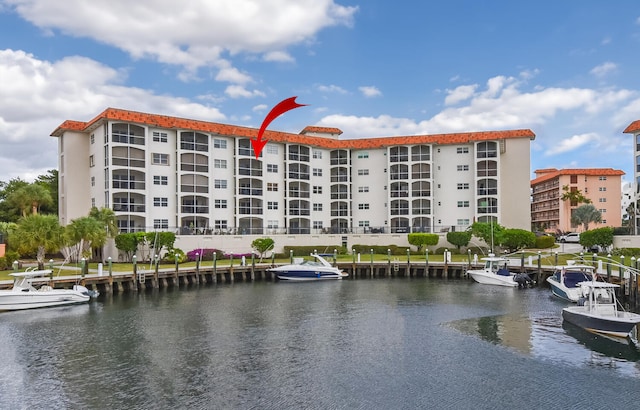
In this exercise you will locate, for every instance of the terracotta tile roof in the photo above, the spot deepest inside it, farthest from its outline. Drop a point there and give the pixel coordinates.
(633, 127)
(163, 121)
(324, 130)
(577, 171)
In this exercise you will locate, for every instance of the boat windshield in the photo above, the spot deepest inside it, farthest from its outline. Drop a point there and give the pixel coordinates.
(311, 263)
(572, 278)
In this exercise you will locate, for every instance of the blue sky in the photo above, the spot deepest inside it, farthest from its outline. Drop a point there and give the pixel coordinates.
(568, 70)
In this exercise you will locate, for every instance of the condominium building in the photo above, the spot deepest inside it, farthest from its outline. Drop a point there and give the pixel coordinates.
(634, 128)
(166, 173)
(600, 185)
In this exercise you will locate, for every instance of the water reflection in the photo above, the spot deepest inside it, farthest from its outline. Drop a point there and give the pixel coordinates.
(547, 337)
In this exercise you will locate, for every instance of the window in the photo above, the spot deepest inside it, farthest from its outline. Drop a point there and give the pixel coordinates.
(160, 224)
(574, 179)
(463, 204)
(363, 224)
(602, 189)
(317, 172)
(91, 161)
(603, 210)
(272, 224)
(317, 224)
(463, 186)
(93, 139)
(363, 206)
(363, 155)
(317, 154)
(463, 167)
(462, 150)
(363, 189)
(317, 207)
(272, 168)
(219, 143)
(272, 186)
(363, 172)
(602, 178)
(159, 136)
(272, 205)
(93, 181)
(462, 222)
(93, 202)
(220, 163)
(160, 180)
(220, 203)
(160, 159)
(604, 221)
(194, 141)
(220, 183)
(163, 202)
(602, 200)
(317, 189)
(220, 224)
(272, 149)
(487, 149)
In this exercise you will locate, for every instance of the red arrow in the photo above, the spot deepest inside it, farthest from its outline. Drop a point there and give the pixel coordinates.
(280, 108)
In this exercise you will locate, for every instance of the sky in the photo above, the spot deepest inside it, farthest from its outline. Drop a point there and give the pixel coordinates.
(567, 70)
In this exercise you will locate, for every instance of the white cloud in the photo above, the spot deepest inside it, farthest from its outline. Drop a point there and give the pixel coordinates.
(260, 108)
(233, 75)
(332, 89)
(36, 96)
(238, 91)
(279, 56)
(460, 93)
(192, 34)
(571, 144)
(603, 69)
(370, 91)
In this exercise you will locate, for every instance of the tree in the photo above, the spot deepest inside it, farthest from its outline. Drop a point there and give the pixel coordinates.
(127, 243)
(514, 239)
(489, 232)
(29, 198)
(574, 196)
(419, 239)
(262, 245)
(80, 234)
(9, 213)
(39, 234)
(107, 218)
(585, 214)
(460, 238)
(160, 240)
(602, 237)
(50, 182)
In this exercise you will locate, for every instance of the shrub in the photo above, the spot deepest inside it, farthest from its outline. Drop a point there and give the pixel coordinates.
(204, 254)
(544, 242)
(171, 254)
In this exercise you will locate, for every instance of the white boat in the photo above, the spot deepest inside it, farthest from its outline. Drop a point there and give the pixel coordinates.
(597, 311)
(308, 270)
(494, 272)
(24, 295)
(564, 281)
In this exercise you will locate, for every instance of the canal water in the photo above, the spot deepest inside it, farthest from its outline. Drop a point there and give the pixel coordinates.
(351, 344)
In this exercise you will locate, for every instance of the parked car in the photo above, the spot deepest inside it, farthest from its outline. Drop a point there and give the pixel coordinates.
(572, 237)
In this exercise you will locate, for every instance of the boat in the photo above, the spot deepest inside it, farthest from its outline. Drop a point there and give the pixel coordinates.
(308, 270)
(619, 348)
(565, 279)
(597, 311)
(24, 294)
(494, 272)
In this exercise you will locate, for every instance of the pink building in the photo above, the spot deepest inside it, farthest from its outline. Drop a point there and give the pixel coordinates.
(601, 185)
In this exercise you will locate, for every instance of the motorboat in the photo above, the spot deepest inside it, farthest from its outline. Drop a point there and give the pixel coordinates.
(597, 311)
(619, 348)
(25, 295)
(308, 270)
(565, 279)
(494, 272)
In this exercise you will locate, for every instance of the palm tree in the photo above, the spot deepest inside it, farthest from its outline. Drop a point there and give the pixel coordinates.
(586, 214)
(107, 219)
(574, 197)
(81, 234)
(39, 234)
(29, 198)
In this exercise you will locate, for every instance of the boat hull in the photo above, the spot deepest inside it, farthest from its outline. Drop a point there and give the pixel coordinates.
(617, 325)
(490, 278)
(561, 291)
(10, 301)
(303, 276)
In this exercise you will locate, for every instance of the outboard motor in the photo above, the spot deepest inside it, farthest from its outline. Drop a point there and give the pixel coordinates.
(85, 291)
(523, 280)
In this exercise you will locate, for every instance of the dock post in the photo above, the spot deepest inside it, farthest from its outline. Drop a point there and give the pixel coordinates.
(609, 268)
(426, 263)
(371, 268)
(134, 281)
(175, 273)
(110, 264)
(215, 267)
(253, 267)
(156, 284)
(539, 272)
(388, 262)
(197, 278)
(409, 263)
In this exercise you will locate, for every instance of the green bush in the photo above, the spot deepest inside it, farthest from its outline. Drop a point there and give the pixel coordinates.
(6, 262)
(626, 252)
(544, 242)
